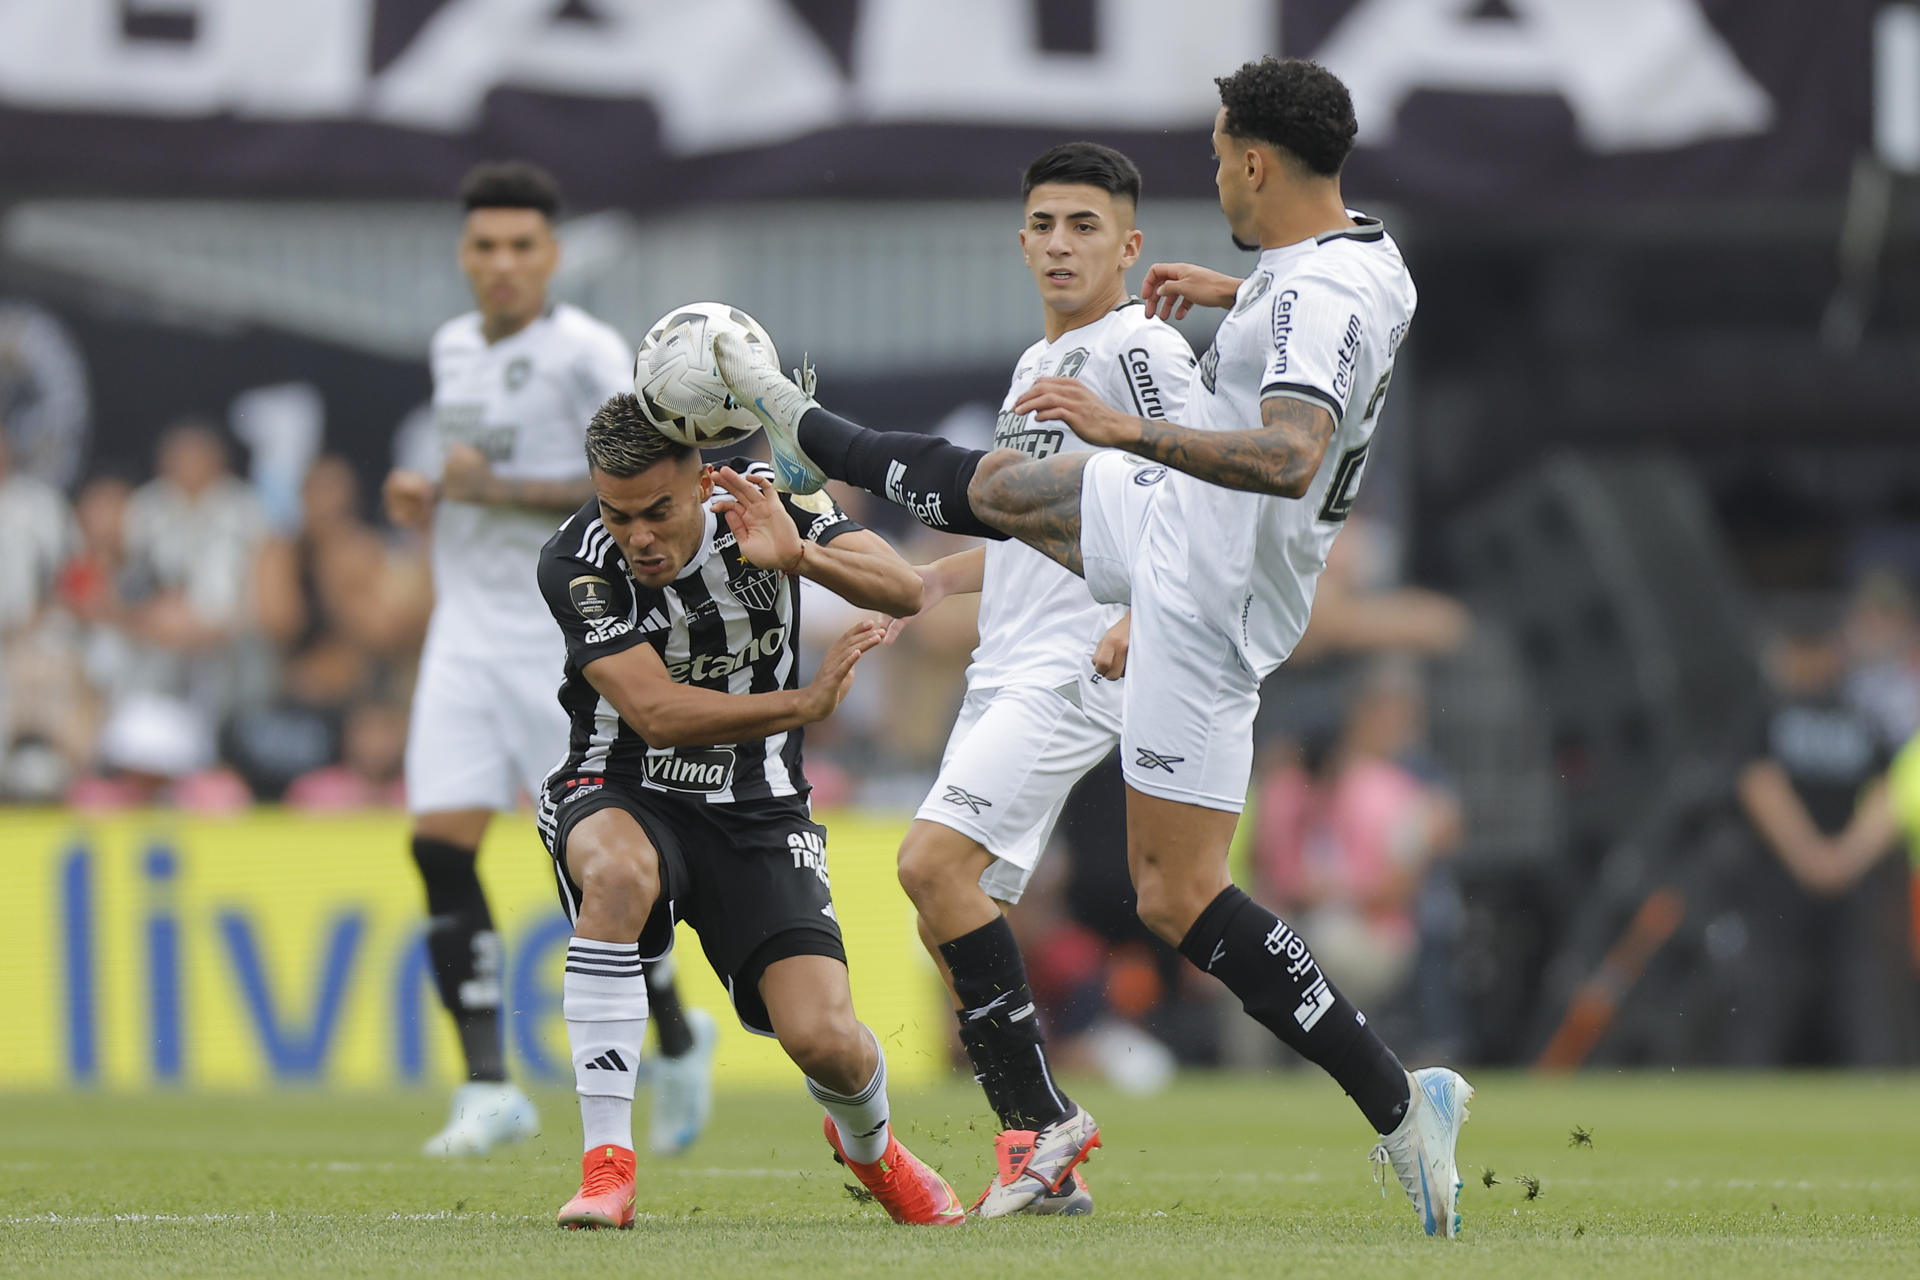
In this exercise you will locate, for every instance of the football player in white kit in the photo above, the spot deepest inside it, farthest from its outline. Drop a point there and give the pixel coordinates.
(1216, 549)
(515, 382)
(1039, 713)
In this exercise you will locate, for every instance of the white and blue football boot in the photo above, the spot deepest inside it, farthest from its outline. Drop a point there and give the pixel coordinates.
(773, 398)
(1421, 1149)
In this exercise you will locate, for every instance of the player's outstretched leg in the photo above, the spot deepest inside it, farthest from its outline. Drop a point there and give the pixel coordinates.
(1178, 856)
(811, 1008)
(465, 953)
(944, 486)
(1044, 1133)
(683, 1075)
(604, 1001)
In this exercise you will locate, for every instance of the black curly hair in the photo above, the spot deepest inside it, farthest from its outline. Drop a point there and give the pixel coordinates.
(510, 184)
(1296, 105)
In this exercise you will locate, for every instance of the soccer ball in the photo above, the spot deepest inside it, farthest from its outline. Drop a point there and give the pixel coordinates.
(674, 377)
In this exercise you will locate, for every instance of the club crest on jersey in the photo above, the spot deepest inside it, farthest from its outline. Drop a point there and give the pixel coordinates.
(517, 372)
(751, 585)
(1072, 363)
(1252, 291)
(592, 596)
(693, 770)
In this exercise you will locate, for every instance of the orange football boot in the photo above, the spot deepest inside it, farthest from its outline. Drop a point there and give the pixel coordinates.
(606, 1192)
(906, 1188)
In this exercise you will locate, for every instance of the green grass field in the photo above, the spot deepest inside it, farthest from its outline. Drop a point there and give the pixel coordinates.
(1686, 1176)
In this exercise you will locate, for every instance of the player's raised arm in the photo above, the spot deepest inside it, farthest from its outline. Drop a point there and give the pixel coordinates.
(670, 714)
(855, 564)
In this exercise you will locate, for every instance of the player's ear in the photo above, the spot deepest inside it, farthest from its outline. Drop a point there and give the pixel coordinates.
(1130, 248)
(706, 480)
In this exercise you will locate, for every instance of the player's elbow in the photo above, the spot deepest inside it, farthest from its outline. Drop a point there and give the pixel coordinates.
(907, 594)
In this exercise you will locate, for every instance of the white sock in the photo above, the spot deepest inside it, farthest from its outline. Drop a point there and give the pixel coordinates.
(861, 1118)
(603, 996)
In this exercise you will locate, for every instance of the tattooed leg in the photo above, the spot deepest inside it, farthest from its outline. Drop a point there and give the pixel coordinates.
(1036, 501)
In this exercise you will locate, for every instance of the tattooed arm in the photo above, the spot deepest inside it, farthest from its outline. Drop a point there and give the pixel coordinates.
(1280, 457)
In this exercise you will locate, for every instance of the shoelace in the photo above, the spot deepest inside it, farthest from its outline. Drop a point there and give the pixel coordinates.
(806, 377)
(1382, 1161)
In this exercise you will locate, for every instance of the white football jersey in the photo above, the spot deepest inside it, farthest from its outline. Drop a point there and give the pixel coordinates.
(524, 401)
(1319, 321)
(1038, 624)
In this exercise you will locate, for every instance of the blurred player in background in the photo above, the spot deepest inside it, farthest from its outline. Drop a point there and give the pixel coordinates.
(683, 797)
(1043, 692)
(514, 384)
(1215, 535)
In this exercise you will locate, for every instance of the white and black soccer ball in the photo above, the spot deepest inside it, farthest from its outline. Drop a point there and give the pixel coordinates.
(679, 388)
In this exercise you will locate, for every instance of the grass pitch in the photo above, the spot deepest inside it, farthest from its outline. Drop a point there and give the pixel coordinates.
(1694, 1176)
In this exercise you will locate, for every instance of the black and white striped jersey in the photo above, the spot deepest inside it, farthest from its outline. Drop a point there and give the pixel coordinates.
(723, 624)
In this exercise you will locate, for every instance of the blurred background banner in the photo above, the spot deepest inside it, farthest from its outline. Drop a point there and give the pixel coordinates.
(1469, 103)
(152, 949)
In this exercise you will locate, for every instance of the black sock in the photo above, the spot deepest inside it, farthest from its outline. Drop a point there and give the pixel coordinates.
(1264, 962)
(999, 1025)
(465, 952)
(923, 473)
(663, 1008)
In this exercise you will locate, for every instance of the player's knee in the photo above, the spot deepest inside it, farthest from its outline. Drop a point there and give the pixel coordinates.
(825, 1048)
(620, 883)
(925, 871)
(1165, 907)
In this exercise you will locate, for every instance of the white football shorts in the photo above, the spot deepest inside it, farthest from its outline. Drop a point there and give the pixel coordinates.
(1013, 756)
(484, 730)
(1190, 699)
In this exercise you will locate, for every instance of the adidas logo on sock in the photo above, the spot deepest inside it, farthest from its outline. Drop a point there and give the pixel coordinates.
(609, 1061)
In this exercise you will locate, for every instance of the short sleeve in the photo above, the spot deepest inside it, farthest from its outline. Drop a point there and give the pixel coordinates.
(593, 606)
(1316, 338)
(1157, 368)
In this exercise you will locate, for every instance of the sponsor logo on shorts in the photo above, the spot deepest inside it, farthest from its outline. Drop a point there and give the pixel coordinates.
(1146, 759)
(592, 596)
(965, 799)
(809, 854)
(693, 770)
(1149, 475)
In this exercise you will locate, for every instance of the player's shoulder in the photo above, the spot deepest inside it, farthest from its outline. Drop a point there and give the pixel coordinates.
(575, 326)
(1132, 327)
(1361, 258)
(582, 538)
(458, 334)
